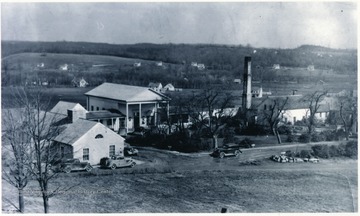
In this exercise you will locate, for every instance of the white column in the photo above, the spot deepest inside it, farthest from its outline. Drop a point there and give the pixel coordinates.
(139, 114)
(127, 118)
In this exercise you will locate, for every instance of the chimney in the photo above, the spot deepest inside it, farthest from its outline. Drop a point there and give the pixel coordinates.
(246, 97)
(75, 114)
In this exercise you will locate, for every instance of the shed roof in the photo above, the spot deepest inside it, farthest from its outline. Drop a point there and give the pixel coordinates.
(74, 131)
(126, 93)
(103, 114)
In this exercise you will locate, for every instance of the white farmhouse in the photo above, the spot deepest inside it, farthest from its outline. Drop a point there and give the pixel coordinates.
(88, 141)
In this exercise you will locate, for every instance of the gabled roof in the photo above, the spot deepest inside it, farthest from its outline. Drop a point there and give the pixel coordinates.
(154, 85)
(125, 93)
(63, 106)
(75, 131)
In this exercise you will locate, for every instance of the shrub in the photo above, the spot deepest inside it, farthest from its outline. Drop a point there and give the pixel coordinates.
(284, 129)
(321, 151)
(289, 153)
(328, 135)
(304, 154)
(304, 138)
(334, 151)
(317, 137)
(291, 138)
(351, 149)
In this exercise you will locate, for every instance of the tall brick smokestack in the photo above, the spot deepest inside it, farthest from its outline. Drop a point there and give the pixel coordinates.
(246, 97)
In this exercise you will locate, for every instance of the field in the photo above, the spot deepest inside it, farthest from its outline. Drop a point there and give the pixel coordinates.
(197, 183)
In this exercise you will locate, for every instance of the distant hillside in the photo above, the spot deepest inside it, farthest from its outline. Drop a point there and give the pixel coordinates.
(217, 57)
(34, 62)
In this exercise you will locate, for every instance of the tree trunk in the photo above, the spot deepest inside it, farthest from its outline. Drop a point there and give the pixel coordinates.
(215, 141)
(21, 201)
(278, 137)
(45, 202)
(276, 133)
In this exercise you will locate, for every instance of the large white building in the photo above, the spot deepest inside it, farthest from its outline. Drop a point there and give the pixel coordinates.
(141, 106)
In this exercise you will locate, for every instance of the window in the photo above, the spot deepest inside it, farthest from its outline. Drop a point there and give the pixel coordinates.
(99, 136)
(92, 108)
(103, 108)
(62, 151)
(86, 154)
(97, 108)
(111, 150)
(320, 115)
(294, 120)
(264, 106)
(109, 122)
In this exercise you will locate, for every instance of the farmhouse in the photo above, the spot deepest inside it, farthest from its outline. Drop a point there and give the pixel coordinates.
(169, 87)
(79, 82)
(87, 141)
(141, 106)
(155, 86)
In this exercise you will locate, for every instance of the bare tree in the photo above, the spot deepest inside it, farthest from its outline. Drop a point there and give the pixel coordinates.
(273, 115)
(210, 110)
(16, 145)
(40, 127)
(313, 100)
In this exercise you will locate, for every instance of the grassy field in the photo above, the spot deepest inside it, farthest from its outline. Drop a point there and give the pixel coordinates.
(330, 186)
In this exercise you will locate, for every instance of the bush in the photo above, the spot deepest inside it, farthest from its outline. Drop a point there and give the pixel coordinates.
(304, 138)
(317, 137)
(255, 130)
(304, 154)
(351, 149)
(321, 151)
(329, 135)
(284, 129)
(291, 138)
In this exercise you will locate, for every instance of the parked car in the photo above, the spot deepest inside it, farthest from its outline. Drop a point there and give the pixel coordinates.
(68, 165)
(230, 149)
(130, 151)
(116, 161)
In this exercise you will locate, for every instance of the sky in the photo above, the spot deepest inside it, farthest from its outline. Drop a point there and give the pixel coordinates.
(265, 24)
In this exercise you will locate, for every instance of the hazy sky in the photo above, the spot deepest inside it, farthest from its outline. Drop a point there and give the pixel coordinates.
(276, 25)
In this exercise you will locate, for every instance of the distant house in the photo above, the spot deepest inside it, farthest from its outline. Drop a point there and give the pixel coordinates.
(137, 64)
(257, 92)
(87, 141)
(276, 66)
(155, 86)
(169, 87)
(237, 81)
(311, 68)
(194, 64)
(40, 65)
(79, 82)
(201, 66)
(140, 105)
(64, 67)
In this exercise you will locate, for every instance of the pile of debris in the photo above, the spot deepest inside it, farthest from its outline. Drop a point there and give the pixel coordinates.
(283, 158)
